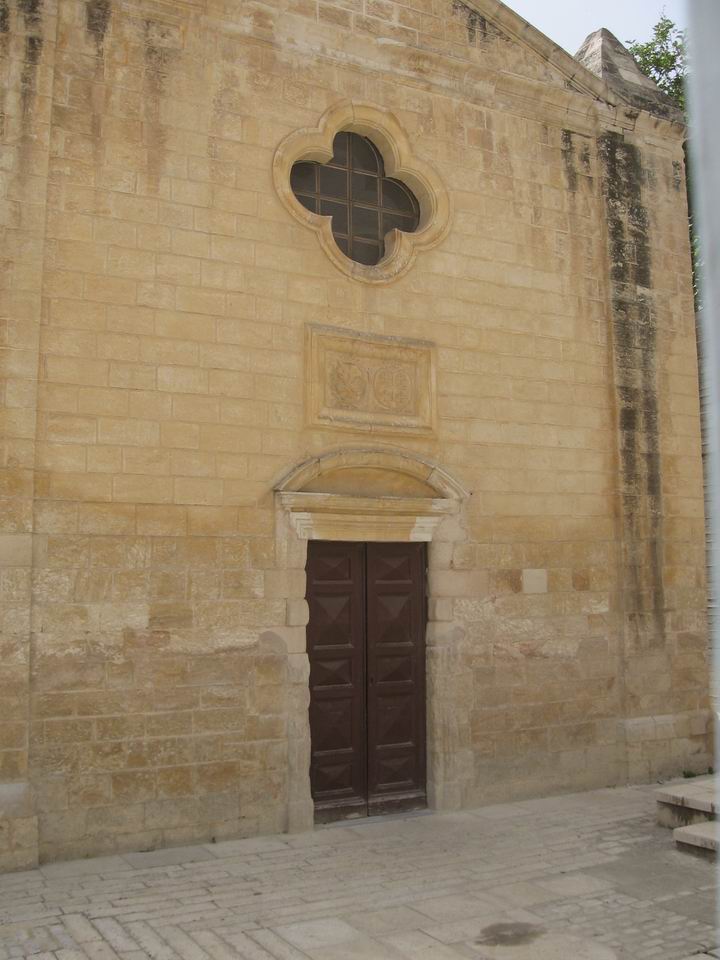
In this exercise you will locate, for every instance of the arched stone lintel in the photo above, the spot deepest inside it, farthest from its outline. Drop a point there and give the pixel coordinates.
(389, 459)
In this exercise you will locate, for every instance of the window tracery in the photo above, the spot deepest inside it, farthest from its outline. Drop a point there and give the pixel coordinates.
(365, 205)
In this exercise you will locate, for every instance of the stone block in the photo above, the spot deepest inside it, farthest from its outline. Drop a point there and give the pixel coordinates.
(285, 583)
(441, 609)
(298, 613)
(15, 549)
(534, 581)
(458, 583)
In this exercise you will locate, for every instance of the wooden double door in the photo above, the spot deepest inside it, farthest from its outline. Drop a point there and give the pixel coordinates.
(366, 643)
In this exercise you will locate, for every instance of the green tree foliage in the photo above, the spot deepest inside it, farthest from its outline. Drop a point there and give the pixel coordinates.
(663, 58)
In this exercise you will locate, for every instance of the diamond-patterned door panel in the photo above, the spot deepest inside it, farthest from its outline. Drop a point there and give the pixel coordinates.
(397, 567)
(396, 670)
(398, 667)
(366, 643)
(336, 647)
(337, 672)
(394, 617)
(332, 614)
(394, 722)
(335, 778)
(332, 568)
(332, 722)
(396, 772)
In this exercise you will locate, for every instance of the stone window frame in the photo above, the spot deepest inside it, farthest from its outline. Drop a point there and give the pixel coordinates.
(439, 521)
(401, 163)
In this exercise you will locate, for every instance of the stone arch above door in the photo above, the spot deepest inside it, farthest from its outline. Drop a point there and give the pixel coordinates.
(365, 493)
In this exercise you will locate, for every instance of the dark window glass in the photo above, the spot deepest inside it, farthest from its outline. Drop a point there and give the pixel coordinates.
(309, 202)
(364, 154)
(394, 195)
(392, 221)
(368, 253)
(364, 188)
(339, 213)
(365, 223)
(302, 178)
(333, 182)
(352, 188)
(340, 146)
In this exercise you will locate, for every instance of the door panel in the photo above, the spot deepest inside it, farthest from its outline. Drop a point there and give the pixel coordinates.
(366, 643)
(336, 646)
(396, 674)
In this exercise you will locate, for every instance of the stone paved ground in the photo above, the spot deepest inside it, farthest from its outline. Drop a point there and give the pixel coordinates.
(535, 879)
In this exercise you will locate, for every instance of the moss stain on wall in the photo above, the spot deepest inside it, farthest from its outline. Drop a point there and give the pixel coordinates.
(31, 11)
(4, 57)
(97, 20)
(634, 337)
(158, 57)
(98, 14)
(476, 24)
(568, 154)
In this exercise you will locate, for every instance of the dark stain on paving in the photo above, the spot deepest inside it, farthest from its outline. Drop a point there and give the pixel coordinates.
(509, 935)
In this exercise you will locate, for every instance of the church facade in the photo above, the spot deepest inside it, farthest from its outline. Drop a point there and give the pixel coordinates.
(351, 440)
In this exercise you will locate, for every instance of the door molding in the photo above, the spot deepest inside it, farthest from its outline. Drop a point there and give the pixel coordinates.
(409, 498)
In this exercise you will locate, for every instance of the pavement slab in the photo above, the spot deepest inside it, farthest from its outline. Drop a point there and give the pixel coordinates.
(582, 877)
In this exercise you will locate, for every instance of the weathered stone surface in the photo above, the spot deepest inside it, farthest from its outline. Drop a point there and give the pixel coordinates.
(526, 403)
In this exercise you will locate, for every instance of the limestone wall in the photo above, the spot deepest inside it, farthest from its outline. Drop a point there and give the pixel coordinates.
(27, 55)
(156, 395)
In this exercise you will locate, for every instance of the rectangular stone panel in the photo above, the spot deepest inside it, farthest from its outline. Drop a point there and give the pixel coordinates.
(368, 382)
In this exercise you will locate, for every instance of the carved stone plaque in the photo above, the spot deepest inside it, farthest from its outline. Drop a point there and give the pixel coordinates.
(372, 383)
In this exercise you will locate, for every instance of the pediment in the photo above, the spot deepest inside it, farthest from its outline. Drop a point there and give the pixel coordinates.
(492, 23)
(603, 68)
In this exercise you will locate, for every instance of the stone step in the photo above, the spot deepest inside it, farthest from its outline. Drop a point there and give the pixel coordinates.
(688, 801)
(699, 838)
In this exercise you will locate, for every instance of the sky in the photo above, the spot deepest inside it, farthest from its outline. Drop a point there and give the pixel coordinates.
(568, 22)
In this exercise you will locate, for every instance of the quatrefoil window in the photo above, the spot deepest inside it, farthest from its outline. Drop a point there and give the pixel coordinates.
(352, 188)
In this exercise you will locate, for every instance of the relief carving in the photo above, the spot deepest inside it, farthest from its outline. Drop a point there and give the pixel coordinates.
(370, 382)
(348, 384)
(394, 388)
